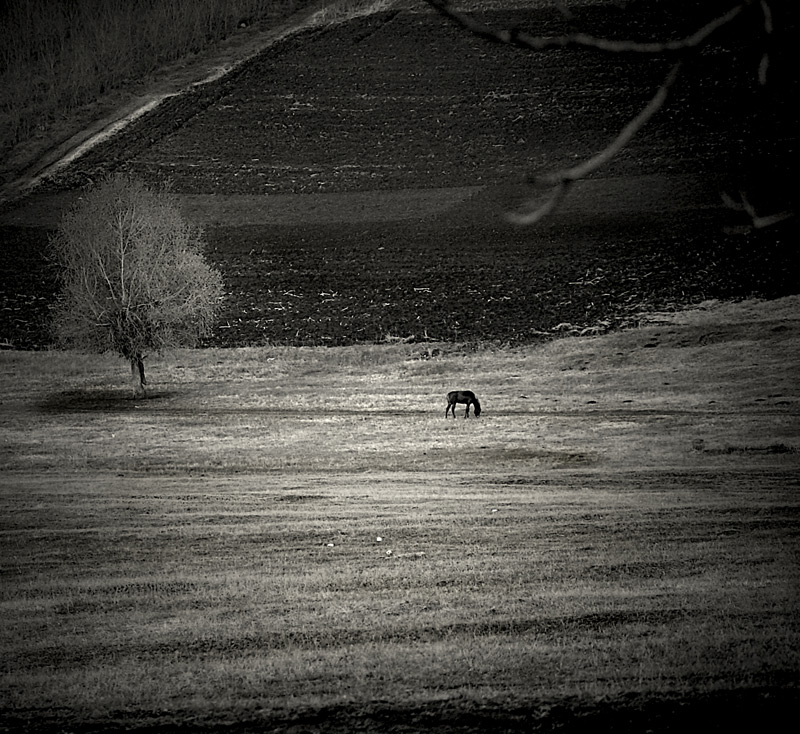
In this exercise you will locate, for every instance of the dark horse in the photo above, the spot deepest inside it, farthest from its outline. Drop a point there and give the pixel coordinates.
(462, 396)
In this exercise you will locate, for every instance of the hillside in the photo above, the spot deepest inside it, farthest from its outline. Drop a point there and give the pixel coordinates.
(353, 180)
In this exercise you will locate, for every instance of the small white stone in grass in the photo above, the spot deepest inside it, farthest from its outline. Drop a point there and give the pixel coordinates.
(495, 510)
(379, 539)
(330, 545)
(389, 552)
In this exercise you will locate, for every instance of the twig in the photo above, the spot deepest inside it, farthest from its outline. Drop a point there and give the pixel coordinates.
(756, 221)
(516, 37)
(562, 180)
(763, 65)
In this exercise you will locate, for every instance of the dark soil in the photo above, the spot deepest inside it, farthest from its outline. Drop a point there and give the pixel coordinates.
(404, 100)
(340, 284)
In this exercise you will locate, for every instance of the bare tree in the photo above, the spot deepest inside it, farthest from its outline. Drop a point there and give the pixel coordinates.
(556, 184)
(134, 279)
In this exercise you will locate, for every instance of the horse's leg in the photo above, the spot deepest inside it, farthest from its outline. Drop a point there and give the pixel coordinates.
(466, 412)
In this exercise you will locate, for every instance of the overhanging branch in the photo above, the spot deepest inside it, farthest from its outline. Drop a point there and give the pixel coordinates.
(562, 180)
(516, 37)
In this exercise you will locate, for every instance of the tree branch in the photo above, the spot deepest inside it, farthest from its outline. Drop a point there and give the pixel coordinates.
(563, 179)
(516, 37)
(757, 221)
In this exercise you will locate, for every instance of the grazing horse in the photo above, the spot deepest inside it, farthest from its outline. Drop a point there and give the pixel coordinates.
(462, 396)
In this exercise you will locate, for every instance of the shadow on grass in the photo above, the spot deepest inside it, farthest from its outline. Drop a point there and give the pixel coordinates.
(735, 710)
(774, 448)
(768, 708)
(101, 400)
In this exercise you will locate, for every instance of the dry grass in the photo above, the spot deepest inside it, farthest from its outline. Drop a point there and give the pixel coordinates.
(229, 595)
(644, 397)
(281, 531)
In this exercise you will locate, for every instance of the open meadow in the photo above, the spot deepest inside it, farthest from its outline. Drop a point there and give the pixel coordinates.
(296, 539)
(288, 535)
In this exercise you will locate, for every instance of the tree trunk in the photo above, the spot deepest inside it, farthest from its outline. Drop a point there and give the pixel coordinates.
(137, 376)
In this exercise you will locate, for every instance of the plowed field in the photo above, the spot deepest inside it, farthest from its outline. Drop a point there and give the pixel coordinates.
(439, 127)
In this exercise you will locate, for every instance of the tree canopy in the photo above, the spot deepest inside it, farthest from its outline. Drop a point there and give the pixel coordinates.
(133, 274)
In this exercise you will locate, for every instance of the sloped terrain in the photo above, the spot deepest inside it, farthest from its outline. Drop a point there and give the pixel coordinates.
(441, 127)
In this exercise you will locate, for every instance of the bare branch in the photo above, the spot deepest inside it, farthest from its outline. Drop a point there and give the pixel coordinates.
(564, 178)
(560, 181)
(516, 37)
(767, 16)
(763, 65)
(757, 221)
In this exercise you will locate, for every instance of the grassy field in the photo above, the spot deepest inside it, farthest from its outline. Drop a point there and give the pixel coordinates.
(297, 539)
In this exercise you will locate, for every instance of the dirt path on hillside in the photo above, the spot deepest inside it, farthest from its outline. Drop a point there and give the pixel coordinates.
(66, 141)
